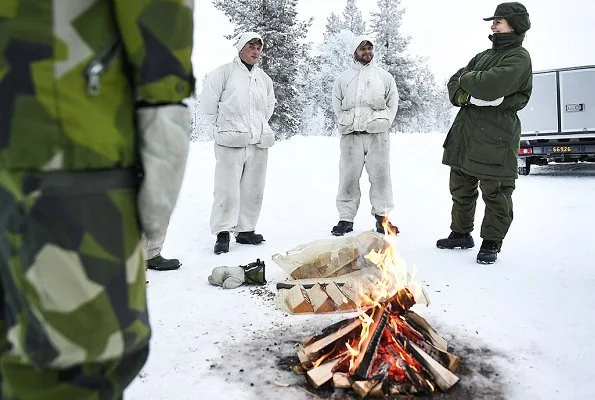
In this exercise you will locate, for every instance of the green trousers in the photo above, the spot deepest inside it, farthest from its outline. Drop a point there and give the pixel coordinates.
(497, 196)
(73, 313)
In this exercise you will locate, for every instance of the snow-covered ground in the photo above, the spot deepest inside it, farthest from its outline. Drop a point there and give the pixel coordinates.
(523, 326)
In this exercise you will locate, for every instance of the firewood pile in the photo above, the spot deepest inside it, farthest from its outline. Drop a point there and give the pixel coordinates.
(387, 350)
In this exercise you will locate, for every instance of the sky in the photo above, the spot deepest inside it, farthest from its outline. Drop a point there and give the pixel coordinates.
(522, 327)
(447, 33)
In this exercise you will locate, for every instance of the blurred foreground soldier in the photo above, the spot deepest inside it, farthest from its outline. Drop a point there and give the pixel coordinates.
(238, 99)
(88, 89)
(482, 145)
(365, 101)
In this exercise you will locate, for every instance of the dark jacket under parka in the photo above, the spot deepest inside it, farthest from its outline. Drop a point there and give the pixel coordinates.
(484, 140)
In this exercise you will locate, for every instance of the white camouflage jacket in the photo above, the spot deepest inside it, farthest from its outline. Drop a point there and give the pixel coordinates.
(365, 98)
(239, 103)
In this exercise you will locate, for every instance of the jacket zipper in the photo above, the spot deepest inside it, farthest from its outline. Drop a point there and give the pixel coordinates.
(97, 67)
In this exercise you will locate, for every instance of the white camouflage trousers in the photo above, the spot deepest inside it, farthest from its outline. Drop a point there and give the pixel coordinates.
(240, 174)
(373, 151)
(155, 246)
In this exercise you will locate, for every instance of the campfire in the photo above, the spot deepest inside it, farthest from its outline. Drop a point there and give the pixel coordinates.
(386, 350)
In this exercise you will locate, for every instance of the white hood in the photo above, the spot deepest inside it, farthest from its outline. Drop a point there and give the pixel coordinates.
(357, 41)
(245, 37)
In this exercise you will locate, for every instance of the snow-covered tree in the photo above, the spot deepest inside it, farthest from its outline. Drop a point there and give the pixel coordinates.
(333, 25)
(414, 80)
(352, 18)
(285, 51)
(333, 58)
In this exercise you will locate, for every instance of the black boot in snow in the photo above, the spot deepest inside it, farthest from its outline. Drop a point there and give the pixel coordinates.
(488, 252)
(456, 240)
(159, 263)
(222, 243)
(380, 228)
(249, 238)
(342, 228)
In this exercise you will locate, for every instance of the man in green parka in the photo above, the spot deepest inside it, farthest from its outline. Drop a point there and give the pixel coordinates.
(482, 145)
(90, 94)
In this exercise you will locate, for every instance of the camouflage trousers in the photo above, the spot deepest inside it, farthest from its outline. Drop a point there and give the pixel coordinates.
(73, 313)
(497, 196)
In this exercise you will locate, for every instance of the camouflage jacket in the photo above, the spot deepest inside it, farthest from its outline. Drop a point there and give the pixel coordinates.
(71, 72)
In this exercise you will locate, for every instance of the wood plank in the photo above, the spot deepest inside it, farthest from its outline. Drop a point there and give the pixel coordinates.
(443, 377)
(341, 380)
(298, 301)
(341, 301)
(422, 326)
(312, 349)
(363, 388)
(320, 375)
(320, 300)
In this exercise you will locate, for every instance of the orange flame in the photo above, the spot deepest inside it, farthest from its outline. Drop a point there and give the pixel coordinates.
(392, 278)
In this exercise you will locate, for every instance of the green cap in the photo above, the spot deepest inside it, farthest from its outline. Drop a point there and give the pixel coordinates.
(515, 13)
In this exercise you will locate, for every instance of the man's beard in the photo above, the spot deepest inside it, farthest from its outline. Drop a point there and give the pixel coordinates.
(363, 60)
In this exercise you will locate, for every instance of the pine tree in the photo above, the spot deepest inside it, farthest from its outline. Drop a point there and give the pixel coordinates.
(418, 92)
(332, 60)
(333, 25)
(284, 53)
(352, 18)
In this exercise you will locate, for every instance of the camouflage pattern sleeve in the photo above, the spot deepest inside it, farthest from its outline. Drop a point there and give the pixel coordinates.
(157, 38)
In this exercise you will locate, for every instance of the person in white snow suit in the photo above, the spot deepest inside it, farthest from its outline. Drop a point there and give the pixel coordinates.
(238, 99)
(365, 101)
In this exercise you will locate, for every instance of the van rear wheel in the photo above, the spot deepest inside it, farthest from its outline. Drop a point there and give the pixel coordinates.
(525, 170)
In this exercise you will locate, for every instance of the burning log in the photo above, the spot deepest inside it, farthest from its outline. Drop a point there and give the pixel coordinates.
(422, 326)
(444, 378)
(363, 363)
(310, 352)
(447, 360)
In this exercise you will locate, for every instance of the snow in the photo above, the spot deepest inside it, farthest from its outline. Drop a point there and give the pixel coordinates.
(523, 326)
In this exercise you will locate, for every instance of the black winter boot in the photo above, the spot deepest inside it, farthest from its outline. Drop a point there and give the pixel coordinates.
(249, 238)
(342, 228)
(159, 263)
(380, 229)
(222, 243)
(456, 240)
(488, 252)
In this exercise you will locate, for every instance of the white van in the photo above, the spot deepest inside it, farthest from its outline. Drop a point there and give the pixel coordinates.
(558, 123)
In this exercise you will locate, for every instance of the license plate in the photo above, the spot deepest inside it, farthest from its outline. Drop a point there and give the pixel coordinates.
(565, 149)
(561, 149)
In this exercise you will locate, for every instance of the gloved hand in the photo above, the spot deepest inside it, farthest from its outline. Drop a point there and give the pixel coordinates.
(164, 135)
(233, 277)
(461, 97)
(227, 277)
(486, 103)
